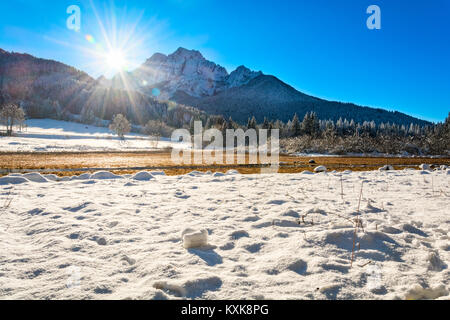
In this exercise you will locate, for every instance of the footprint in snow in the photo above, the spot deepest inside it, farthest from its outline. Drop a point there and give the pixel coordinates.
(181, 195)
(77, 208)
(254, 248)
(236, 235)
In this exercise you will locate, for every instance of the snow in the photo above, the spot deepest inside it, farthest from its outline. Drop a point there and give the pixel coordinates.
(320, 169)
(157, 173)
(47, 135)
(143, 176)
(12, 180)
(270, 236)
(194, 238)
(104, 175)
(35, 177)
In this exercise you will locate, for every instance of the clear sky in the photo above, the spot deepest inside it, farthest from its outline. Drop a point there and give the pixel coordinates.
(320, 47)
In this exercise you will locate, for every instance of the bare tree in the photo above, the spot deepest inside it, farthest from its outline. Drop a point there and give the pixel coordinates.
(120, 125)
(10, 115)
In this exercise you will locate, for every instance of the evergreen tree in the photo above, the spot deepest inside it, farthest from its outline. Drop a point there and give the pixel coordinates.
(296, 128)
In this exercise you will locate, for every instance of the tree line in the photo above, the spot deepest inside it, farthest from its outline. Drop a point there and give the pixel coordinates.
(310, 134)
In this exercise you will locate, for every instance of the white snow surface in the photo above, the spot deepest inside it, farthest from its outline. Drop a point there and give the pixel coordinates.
(274, 236)
(47, 135)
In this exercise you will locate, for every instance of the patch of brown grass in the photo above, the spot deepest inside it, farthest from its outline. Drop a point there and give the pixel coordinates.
(125, 162)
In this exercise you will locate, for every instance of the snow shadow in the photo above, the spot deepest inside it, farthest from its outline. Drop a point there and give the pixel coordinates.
(208, 255)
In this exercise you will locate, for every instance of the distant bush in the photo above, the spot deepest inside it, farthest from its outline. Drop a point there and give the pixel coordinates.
(11, 115)
(120, 125)
(157, 129)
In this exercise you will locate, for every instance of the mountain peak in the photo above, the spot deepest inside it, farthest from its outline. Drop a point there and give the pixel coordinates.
(188, 71)
(157, 57)
(242, 75)
(183, 52)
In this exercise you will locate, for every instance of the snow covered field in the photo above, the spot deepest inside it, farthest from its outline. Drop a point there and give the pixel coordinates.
(269, 236)
(47, 135)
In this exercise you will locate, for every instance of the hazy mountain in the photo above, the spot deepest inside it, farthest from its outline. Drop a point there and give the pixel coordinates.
(46, 88)
(188, 78)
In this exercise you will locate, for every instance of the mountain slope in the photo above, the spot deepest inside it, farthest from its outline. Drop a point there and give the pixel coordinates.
(267, 96)
(46, 88)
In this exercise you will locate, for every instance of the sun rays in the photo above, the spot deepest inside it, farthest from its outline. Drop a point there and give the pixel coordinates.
(115, 59)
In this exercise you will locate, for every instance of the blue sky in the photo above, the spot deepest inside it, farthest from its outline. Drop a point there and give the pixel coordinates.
(322, 48)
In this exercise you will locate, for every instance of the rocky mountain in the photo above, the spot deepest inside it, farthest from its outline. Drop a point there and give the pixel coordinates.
(186, 77)
(184, 70)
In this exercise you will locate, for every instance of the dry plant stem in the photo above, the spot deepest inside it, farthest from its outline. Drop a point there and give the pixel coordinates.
(356, 225)
(365, 264)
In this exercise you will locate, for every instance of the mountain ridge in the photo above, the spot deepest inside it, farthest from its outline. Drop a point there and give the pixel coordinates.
(184, 77)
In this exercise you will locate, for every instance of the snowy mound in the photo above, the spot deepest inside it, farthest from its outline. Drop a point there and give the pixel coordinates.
(218, 174)
(320, 169)
(195, 173)
(425, 166)
(387, 167)
(35, 177)
(12, 180)
(142, 176)
(84, 176)
(51, 177)
(105, 175)
(158, 173)
(194, 238)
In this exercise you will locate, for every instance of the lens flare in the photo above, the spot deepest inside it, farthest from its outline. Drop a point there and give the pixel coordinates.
(90, 39)
(156, 92)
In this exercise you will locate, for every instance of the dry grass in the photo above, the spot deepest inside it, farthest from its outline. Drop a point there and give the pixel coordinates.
(131, 162)
(358, 224)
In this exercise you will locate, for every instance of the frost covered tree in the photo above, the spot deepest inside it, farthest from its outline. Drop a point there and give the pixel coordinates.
(310, 124)
(251, 124)
(295, 126)
(88, 116)
(439, 137)
(120, 125)
(10, 115)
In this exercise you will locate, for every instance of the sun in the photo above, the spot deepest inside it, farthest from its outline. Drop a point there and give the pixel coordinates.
(116, 60)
